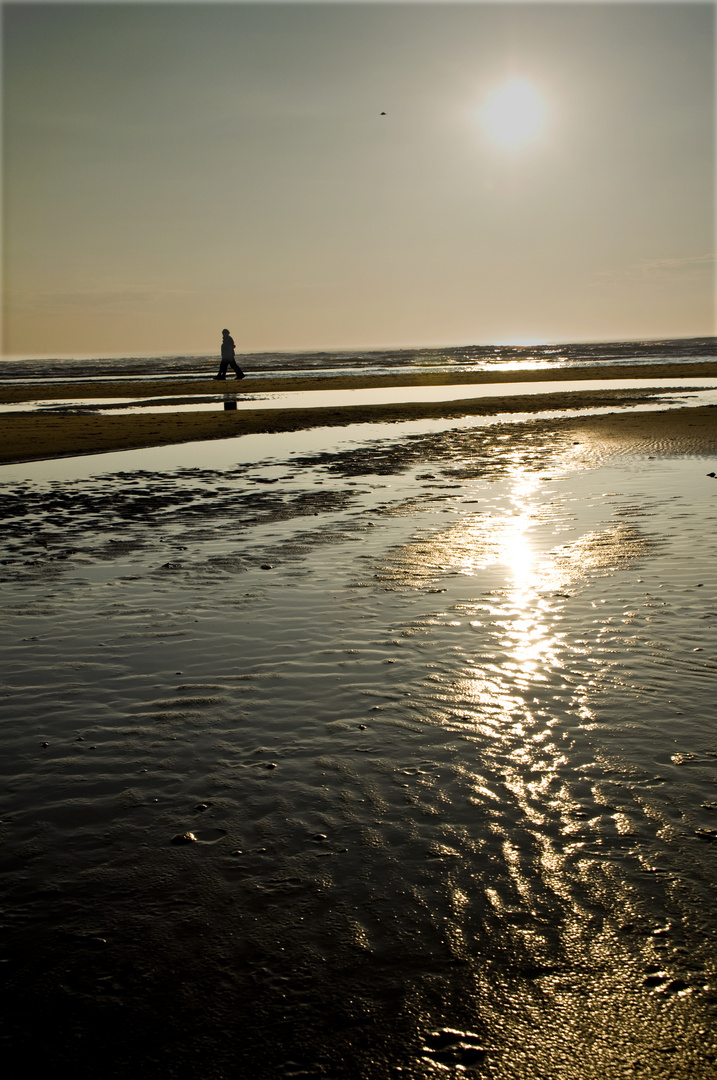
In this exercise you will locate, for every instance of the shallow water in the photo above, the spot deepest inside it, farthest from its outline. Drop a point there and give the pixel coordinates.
(371, 396)
(439, 710)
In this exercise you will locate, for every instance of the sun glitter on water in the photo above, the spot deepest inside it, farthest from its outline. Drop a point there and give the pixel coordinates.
(513, 114)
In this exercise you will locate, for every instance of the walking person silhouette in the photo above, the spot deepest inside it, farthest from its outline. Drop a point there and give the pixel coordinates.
(228, 357)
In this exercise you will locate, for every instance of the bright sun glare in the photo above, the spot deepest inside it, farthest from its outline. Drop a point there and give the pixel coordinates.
(513, 113)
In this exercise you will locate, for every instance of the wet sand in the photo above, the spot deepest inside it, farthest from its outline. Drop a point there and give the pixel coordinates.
(33, 436)
(438, 710)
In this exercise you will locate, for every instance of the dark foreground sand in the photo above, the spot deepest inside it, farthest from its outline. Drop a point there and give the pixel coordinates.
(33, 436)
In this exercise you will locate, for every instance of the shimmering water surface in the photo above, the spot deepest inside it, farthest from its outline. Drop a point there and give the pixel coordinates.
(454, 358)
(705, 387)
(438, 709)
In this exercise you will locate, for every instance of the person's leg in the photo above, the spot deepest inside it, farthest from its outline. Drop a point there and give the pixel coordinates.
(237, 369)
(222, 374)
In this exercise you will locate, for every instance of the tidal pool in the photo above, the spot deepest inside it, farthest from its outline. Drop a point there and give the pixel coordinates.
(704, 387)
(438, 710)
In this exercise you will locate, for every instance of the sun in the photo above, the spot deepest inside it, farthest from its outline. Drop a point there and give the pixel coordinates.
(514, 113)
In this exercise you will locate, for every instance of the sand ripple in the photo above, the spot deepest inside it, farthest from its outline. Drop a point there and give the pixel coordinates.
(449, 763)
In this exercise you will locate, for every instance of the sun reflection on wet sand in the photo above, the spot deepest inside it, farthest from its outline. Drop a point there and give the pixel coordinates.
(418, 696)
(517, 695)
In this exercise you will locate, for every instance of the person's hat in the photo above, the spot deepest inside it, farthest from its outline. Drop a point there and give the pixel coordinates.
(225, 331)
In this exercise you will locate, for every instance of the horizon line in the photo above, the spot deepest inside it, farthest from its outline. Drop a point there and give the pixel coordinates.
(516, 343)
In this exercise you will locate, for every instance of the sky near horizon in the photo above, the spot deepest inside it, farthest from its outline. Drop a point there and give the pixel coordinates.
(543, 172)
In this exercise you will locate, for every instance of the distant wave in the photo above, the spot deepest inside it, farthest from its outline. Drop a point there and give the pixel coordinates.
(461, 358)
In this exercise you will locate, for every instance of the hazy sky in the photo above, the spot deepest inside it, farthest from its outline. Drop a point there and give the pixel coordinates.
(172, 169)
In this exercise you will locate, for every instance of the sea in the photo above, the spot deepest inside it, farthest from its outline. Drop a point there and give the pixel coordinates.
(387, 751)
(461, 358)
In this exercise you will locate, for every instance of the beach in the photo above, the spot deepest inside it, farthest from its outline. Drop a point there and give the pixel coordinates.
(360, 743)
(30, 436)
(357, 700)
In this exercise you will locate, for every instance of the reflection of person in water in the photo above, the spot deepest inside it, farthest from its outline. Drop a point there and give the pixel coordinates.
(228, 357)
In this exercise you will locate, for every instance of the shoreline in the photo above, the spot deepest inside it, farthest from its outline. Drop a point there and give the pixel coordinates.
(14, 393)
(37, 436)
